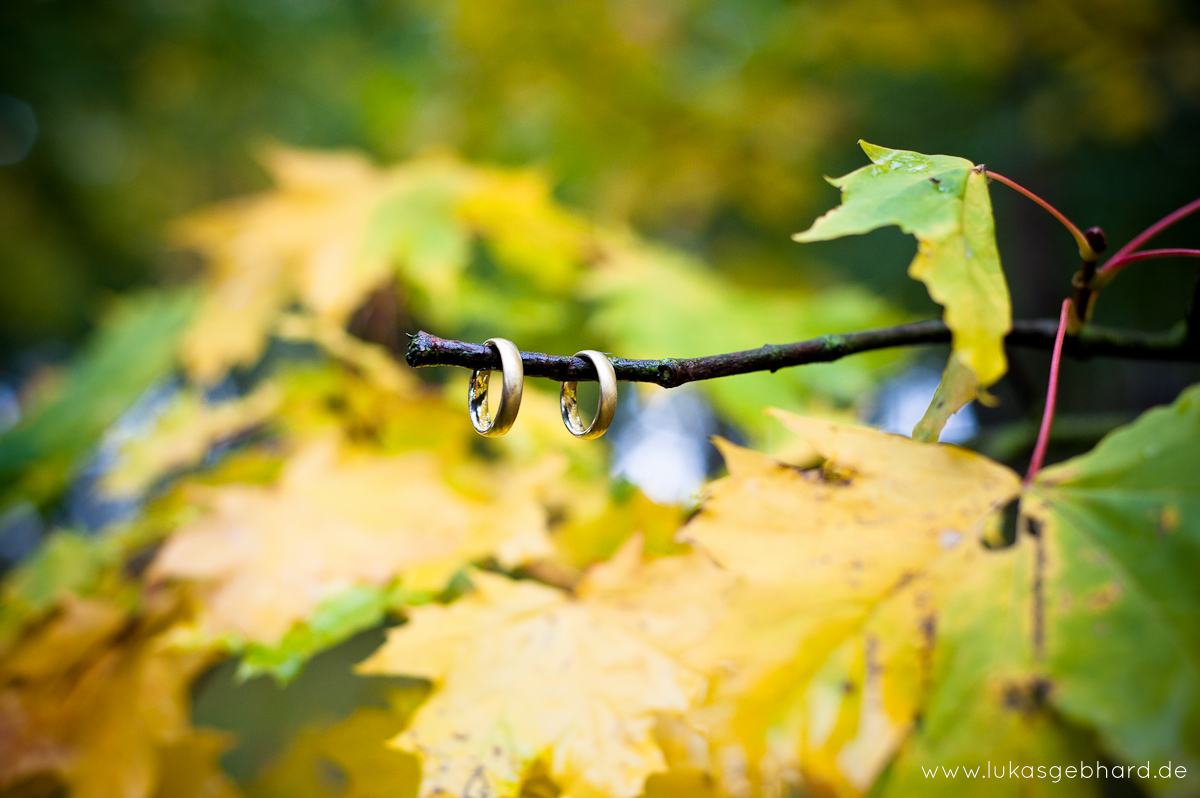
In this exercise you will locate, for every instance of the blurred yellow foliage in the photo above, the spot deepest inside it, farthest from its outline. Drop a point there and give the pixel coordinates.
(96, 701)
(336, 228)
(265, 557)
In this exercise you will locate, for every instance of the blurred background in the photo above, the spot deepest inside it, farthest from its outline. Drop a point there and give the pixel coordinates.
(703, 126)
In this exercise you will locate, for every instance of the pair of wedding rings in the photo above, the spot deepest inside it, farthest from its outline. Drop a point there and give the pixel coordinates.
(493, 424)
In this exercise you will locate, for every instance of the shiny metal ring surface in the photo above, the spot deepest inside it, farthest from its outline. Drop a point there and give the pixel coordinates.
(486, 422)
(568, 399)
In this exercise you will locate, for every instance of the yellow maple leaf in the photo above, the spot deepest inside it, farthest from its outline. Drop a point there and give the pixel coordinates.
(525, 673)
(944, 202)
(817, 551)
(265, 557)
(305, 240)
(335, 227)
(808, 566)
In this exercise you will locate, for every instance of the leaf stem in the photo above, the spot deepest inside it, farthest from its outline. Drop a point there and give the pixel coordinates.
(1043, 439)
(1085, 248)
(1151, 231)
(1115, 264)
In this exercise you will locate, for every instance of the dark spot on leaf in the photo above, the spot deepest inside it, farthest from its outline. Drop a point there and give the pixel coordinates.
(928, 642)
(1028, 697)
(904, 579)
(929, 629)
(832, 474)
(1008, 526)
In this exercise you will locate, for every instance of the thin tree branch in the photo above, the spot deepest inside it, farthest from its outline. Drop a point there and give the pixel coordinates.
(429, 350)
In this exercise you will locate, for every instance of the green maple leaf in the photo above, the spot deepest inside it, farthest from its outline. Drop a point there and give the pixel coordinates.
(1081, 638)
(1121, 527)
(989, 706)
(942, 201)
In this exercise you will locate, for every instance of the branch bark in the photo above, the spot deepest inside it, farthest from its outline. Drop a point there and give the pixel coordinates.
(429, 350)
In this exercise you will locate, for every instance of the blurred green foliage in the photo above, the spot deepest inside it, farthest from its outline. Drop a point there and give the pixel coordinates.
(137, 347)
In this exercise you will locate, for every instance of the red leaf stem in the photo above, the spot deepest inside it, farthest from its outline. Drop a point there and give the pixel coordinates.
(1043, 439)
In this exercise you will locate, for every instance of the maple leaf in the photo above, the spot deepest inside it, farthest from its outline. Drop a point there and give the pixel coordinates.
(817, 551)
(308, 239)
(525, 673)
(336, 227)
(944, 202)
(1033, 664)
(1014, 655)
(265, 558)
(1118, 545)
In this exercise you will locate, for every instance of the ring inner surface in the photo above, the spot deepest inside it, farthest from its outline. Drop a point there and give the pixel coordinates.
(571, 400)
(480, 405)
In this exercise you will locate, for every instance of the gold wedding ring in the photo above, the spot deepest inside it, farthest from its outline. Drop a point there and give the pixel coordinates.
(486, 423)
(568, 399)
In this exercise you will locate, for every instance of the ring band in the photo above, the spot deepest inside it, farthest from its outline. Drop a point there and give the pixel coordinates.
(486, 423)
(568, 398)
